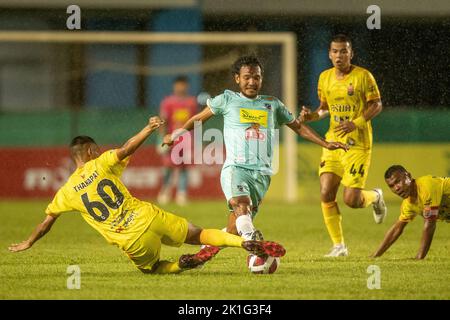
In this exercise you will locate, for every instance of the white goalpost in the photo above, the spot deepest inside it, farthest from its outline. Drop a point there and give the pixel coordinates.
(286, 40)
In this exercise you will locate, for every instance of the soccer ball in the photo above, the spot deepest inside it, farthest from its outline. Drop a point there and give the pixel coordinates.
(257, 264)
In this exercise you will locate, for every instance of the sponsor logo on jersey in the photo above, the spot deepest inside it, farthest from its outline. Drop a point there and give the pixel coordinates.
(119, 219)
(254, 116)
(350, 90)
(253, 133)
(341, 119)
(342, 108)
(123, 218)
(268, 106)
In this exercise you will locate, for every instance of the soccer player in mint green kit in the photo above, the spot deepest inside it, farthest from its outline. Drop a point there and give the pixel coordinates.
(250, 130)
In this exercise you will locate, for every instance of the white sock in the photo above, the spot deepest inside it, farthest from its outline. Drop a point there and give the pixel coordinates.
(244, 226)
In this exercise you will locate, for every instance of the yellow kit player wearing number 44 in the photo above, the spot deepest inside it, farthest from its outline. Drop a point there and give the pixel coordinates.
(136, 227)
(350, 96)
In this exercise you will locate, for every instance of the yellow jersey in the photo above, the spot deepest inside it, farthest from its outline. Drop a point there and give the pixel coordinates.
(347, 99)
(433, 200)
(95, 190)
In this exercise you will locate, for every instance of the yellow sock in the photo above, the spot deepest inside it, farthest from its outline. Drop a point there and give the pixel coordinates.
(333, 221)
(167, 267)
(369, 197)
(219, 238)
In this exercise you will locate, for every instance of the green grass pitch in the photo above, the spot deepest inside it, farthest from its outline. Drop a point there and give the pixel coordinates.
(41, 272)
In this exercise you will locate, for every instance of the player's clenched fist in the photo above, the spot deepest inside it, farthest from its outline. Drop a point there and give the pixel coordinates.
(155, 122)
(305, 114)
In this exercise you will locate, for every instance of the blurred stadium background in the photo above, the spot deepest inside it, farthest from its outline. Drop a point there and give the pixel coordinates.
(50, 92)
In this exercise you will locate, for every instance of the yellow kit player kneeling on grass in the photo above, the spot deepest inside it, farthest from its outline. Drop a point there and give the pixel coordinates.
(136, 227)
(428, 196)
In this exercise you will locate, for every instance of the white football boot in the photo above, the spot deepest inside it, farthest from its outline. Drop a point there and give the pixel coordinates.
(379, 207)
(338, 250)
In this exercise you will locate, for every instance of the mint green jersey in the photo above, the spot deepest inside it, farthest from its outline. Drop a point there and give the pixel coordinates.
(250, 128)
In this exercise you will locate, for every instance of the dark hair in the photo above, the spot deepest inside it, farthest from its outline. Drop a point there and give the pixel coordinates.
(181, 78)
(341, 38)
(392, 169)
(80, 140)
(250, 60)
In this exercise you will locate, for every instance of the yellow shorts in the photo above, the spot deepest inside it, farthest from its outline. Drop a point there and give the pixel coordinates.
(165, 228)
(352, 166)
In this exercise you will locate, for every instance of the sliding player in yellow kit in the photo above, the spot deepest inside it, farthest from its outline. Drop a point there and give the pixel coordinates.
(426, 196)
(138, 228)
(350, 96)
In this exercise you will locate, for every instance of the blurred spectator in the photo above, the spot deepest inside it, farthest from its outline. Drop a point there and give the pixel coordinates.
(176, 109)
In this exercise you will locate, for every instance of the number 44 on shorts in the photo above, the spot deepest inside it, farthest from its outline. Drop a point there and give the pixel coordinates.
(360, 171)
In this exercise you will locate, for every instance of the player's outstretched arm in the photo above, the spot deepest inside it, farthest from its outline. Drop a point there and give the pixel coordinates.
(37, 233)
(429, 227)
(202, 116)
(133, 143)
(309, 134)
(391, 236)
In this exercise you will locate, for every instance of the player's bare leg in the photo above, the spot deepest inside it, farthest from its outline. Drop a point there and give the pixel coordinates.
(359, 198)
(329, 186)
(353, 197)
(231, 227)
(242, 210)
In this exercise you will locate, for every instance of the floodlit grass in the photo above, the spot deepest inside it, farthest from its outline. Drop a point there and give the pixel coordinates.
(41, 272)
